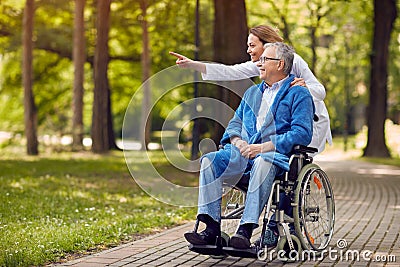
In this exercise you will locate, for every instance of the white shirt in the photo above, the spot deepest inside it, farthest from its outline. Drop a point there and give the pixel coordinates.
(321, 128)
(267, 100)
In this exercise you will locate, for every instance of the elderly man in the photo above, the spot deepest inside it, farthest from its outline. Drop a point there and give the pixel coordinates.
(271, 119)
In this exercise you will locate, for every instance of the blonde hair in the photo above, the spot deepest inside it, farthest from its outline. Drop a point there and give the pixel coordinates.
(266, 34)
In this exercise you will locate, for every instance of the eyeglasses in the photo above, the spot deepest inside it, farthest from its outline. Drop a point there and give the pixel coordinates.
(262, 60)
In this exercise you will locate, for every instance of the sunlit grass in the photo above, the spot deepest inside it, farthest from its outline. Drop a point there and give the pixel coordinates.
(58, 205)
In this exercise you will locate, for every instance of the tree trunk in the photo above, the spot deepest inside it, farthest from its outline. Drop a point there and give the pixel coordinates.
(313, 37)
(145, 124)
(318, 10)
(230, 46)
(385, 13)
(79, 61)
(196, 122)
(30, 114)
(110, 124)
(101, 103)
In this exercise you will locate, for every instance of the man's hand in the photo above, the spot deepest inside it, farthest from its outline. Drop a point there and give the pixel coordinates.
(240, 143)
(298, 81)
(244, 148)
(251, 151)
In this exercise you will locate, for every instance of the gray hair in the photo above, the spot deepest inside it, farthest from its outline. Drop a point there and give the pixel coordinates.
(284, 52)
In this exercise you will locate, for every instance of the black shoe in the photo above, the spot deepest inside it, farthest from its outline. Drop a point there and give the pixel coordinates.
(239, 241)
(205, 237)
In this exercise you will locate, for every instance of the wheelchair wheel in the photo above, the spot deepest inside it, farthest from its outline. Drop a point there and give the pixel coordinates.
(232, 207)
(314, 214)
(285, 253)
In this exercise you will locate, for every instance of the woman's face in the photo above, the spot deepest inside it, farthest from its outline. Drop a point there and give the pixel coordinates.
(254, 47)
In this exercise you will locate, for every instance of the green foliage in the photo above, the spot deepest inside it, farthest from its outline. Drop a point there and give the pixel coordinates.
(67, 204)
(10, 25)
(343, 32)
(11, 94)
(348, 59)
(344, 38)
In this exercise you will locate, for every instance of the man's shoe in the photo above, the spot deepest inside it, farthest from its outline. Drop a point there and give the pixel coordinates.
(239, 241)
(205, 237)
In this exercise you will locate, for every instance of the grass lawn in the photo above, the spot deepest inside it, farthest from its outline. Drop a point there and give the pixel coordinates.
(58, 206)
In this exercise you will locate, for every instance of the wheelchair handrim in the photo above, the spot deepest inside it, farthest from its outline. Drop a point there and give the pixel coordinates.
(300, 222)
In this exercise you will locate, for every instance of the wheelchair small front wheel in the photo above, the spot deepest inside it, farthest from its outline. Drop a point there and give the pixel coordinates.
(285, 252)
(224, 242)
(224, 239)
(314, 212)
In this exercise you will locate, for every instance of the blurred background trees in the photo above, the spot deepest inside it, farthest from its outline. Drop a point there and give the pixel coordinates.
(81, 87)
(385, 13)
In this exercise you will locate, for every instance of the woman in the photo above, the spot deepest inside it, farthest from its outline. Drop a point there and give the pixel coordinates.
(258, 36)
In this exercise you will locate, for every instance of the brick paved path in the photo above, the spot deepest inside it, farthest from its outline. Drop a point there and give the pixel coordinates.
(367, 198)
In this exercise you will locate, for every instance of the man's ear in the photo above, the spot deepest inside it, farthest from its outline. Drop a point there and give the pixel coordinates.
(281, 64)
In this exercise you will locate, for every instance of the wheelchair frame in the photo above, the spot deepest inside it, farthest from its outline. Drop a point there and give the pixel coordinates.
(311, 198)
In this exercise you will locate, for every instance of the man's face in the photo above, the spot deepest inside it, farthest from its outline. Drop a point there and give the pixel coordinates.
(269, 65)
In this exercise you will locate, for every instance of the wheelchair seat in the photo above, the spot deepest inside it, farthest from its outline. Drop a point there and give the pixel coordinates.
(243, 182)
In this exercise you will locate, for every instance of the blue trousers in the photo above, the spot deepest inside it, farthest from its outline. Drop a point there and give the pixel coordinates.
(227, 165)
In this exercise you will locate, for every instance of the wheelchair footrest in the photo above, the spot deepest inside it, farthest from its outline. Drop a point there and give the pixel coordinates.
(242, 253)
(213, 250)
(207, 250)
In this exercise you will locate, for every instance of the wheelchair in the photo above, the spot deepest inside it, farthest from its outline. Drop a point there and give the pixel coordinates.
(307, 224)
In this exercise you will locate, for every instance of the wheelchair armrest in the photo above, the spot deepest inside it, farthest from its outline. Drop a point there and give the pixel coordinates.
(300, 149)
